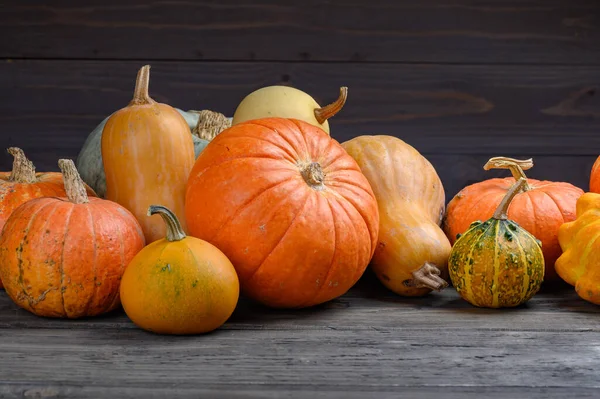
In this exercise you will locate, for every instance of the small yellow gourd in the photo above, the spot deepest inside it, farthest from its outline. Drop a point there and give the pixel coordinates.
(287, 102)
(578, 265)
(497, 263)
(179, 284)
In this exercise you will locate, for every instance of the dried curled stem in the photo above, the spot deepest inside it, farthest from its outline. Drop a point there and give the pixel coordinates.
(516, 167)
(210, 124)
(23, 170)
(140, 93)
(427, 276)
(74, 186)
(326, 112)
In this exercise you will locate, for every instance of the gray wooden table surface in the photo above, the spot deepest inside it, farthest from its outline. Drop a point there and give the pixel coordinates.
(369, 343)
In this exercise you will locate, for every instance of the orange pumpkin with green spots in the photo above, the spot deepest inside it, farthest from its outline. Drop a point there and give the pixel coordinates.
(497, 263)
(64, 257)
(179, 284)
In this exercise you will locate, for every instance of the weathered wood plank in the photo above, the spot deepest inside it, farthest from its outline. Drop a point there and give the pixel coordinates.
(49, 107)
(367, 358)
(273, 391)
(459, 31)
(368, 306)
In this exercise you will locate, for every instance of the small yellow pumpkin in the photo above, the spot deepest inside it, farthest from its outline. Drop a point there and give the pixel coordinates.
(179, 284)
(497, 263)
(578, 265)
(287, 102)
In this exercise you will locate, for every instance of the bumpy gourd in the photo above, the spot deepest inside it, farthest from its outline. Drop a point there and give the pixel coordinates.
(148, 154)
(287, 102)
(578, 265)
(288, 206)
(179, 284)
(412, 250)
(64, 257)
(541, 208)
(89, 161)
(497, 263)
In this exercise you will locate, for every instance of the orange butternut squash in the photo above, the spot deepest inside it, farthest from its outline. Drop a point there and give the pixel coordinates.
(148, 153)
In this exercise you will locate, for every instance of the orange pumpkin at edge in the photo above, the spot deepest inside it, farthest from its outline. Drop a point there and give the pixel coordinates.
(23, 184)
(288, 206)
(595, 177)
(541, 208)
(64, 257)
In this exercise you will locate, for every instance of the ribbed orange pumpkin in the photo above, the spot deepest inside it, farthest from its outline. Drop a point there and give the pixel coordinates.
(148, 153)
(23, 184)
(288, 206)
(595, 177)
(541, 208)
(64, 257)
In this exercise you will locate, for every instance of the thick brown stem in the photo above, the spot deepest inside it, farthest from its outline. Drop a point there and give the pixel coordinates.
(313, 175)
(427, 276)
(210, 123)
(73, 184)
(516, 167)
(140, 94)
(502, 210)
(326, 112)
(23, 170)
(174, 230)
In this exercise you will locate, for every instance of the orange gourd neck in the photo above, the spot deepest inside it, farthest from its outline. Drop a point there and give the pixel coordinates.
(174, 230)
(516, 167)
(502, 210)
(23, 170)
(142, 82)
(73, 184)
(326, 112)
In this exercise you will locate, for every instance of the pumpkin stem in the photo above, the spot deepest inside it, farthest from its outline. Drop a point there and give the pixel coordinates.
(23, 170)
(174, 230)
(313, 175)
(326, 112)
(73, 184)
(210, 123)
(502, 210)
(516, 167)
(427, 276)
(140, 94)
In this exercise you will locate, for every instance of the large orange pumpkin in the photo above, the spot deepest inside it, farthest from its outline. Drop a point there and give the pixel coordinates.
(288, 206)
(148, 153)
(541, 208)
(64, 257)
(595, 177)
(23, 184)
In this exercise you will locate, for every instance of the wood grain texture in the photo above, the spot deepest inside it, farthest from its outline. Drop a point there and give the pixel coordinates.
(460, 31)
(369, 343)
(446, 109)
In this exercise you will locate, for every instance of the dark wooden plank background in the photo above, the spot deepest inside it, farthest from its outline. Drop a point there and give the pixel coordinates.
(460, 80)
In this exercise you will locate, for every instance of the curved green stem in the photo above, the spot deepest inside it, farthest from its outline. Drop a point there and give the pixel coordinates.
(174, 230)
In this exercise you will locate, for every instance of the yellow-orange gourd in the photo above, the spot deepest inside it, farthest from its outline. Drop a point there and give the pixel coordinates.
(578, 265)
(148, 153)
(412, 250)
(179, 285)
